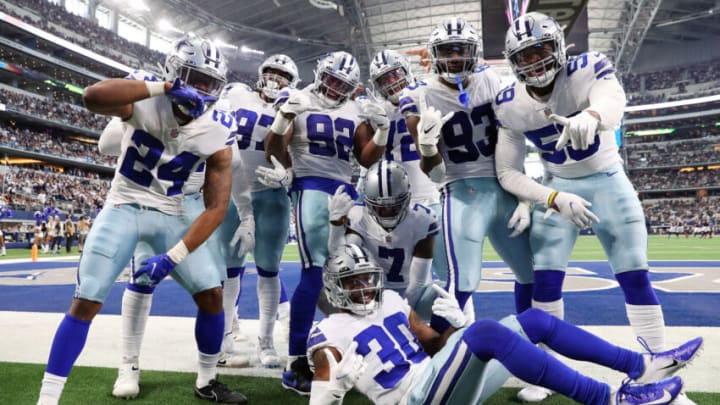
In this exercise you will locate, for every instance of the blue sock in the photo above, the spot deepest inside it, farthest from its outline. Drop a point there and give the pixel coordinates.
(302, 309)
(67, 345)
(576, 343)
(489, 339)
(283, 293)
(209, 330)
(523, 296)
(440, 324)
(637, 288)
(548, 285)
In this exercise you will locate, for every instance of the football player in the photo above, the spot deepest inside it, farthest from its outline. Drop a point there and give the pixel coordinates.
(378, 344)
(315, 131)
(398, 234)
(451, 119)
(177, 129)
(569, 108)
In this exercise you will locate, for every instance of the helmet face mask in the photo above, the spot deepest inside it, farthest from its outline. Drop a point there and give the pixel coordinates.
(275, 73)
(453, 48)
(352, 281)
(390, 73)
(336, 78)
(535, 48)
(199, 64)
(387, 193)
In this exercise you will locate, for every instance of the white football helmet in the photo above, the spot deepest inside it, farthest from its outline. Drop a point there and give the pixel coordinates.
(390, 73)
(336, 78)
(198, 63)
(387, 193)
(270, 83)
(352, 281)
(535, 48)
(454, 49)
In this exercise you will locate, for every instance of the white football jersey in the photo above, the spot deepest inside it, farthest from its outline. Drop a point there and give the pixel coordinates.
(322, 141)
(393, 250)
(527, 117)
(401, 148)
(253, 118)
(467, 141)
(160, 155)
(392, 353)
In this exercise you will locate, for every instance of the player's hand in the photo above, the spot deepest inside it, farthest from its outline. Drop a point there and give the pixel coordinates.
(520, 219)
(275, 177)
(344, 375)
(374, 112)
(245, 236)
(446, 306)
(580, 130)
(156, 268)
(429, 127)
(574, 208)
(297, 103)
(340, 204)
(189, 98)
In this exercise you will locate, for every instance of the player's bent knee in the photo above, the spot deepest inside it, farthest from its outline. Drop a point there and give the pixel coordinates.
(486, 338)
(537, 324)
(210, 301)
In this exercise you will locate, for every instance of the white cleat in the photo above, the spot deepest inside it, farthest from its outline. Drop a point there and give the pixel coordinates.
(267, 354)
(534, 393)
(45, 400)
(127, 385)
(237, 335)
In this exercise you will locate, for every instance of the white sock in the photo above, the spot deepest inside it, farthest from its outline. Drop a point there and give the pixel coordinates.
(135, 312)
(647, 322)
(556, 308)
(52, 387)
(231, 290)
(283, 310)
(207, 369)
(268, 292)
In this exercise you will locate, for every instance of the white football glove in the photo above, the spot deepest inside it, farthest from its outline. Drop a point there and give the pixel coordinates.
(574, 208)
(374, 112)
(297, 103)
(580, 130)
(520, 219)
(344, 375)
(245, 235)
(340, 204)
(446, 306)
(276, 177)
(429, 127)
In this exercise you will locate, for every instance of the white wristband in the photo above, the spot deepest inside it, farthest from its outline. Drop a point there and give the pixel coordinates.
(381, 136)
(428, 150)
(178, 252)
(155, 88)
(281, 124)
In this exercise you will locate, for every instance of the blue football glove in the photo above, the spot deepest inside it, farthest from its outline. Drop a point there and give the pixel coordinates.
(189, 98)
(156, 267)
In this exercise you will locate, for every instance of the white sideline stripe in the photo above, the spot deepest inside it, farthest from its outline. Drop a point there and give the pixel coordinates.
(170, 345)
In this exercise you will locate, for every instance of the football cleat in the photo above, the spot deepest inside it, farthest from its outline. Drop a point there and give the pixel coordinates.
(267, 354)
(534, 393)
(299, 377)
(233, 361)
(664, 364)
(127, 384)
(658, 393)
(219, 392)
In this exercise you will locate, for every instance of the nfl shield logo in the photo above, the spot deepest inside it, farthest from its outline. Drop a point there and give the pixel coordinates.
(174, 133)
(388, 239)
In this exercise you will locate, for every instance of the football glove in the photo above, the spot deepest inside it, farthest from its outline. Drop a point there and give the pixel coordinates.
(276, 177)
(344, 375)
(520, 219)
(156, 268)
(190, 100)
(446, 306)
(580, 130)
(340, 204)
(574, 208)
(374, 112)
(429, 128)
(244, 236)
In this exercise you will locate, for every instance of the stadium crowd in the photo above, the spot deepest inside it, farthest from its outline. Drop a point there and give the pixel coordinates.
(667, 78)
(669, 179)
(53, 110)
(691, 212)
(673, 153)
(52, 144)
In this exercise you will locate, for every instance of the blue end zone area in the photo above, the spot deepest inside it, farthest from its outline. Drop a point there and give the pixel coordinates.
(689, 292)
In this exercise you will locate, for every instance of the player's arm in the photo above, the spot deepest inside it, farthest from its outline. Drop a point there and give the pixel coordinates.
(420, 277)
(431, 340)
(369, 148)
(110, 142)
(607, 101)
(116, 96)
(429, 160)
(509, 163)
(334, 374)
(277, 145)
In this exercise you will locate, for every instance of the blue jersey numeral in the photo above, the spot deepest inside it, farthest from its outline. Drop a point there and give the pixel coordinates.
(246, 121)
(330, 138)
(398, 258)
(407, 144)
(547, 150)
(505, 95)
(461, 145)
(576, 63)
(395, 333)
(147, 151)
